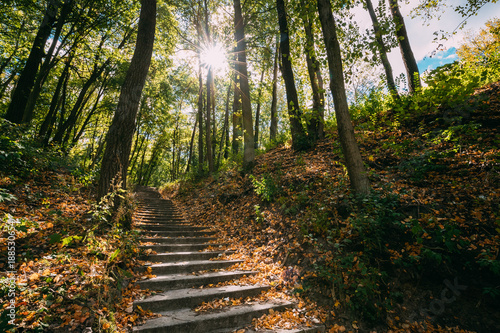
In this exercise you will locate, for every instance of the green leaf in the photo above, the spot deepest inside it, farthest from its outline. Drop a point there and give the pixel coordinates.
(114, 255)
(54, 238)
(68, 240)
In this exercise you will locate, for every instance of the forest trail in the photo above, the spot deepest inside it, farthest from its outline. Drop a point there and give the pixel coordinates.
(184, 259)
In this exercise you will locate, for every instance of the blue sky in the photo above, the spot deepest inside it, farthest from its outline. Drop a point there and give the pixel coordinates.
(421, 34)
(439, 59)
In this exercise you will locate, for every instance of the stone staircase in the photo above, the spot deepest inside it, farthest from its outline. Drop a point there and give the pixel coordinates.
(181, 269)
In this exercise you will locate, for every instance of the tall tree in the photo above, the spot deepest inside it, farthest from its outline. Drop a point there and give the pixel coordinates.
(257, 112)
(405, 47)
(119, 138)
(273, 128)
(382, 49)
(299, 136)
(354, 163)
(15, 112)
(210, 98)
(316, 122)
(241, 69)
(50, 60)
(236, 119)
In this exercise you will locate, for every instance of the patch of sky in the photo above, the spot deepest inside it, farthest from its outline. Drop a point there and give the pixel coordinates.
(438, 59)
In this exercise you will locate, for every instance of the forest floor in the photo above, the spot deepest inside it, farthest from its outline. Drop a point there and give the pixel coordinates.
(419, 255)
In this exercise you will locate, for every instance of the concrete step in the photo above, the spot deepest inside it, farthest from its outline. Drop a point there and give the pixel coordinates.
(190, 266)
(314, 329)
(159, 217)
(184, 256)
(188, 321)
(166, 227)
(172, 226)
(173, 281)
(159, 248)
(166, 233)
(145, 210)
(189, 298)
(157, 212)
(177, 240)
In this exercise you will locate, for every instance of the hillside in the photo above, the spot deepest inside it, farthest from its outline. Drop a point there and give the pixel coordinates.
(419, 254)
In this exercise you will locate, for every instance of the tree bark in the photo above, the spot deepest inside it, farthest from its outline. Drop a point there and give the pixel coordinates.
(316, 123)
(50, 117)
(226, 123)
(237, 120)
(15, 112)
(257, 112)
(119, 138)
(191, 143)
(405, 47)
(273, 128)
(224, 137)
(354, 163)
(299, 137)
(382, 50)
(48, 62)
(208, 114)
(200, 120)
(241, 69)
(81, 100)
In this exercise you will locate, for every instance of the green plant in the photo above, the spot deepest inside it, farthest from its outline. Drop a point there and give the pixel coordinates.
(259, 217)
(6, 196)
(266, 188)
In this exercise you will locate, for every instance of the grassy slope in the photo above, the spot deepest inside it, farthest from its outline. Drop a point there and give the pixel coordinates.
(421, 253)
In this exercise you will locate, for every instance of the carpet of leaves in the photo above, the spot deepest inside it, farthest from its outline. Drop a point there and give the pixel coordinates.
(384, 263)
(69, 276)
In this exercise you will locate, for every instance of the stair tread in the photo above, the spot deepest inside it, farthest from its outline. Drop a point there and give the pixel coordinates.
(188, 276)
(195, 262)
(196, 292)
(184, 317)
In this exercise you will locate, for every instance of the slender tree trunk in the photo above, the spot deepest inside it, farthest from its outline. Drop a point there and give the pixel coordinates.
(273, 129)
(191, 143)
(50, 117)
(237, 119)
(48, 62)
(224, 137)
(15, 112)
(405, 47)
(382, 50)
(62, 112)
(315, 124)
(241, 69)
(5, 84)
(299, 137)
(136, 152)
(119, 138)
(80, 132)
(208, 129)
(82, 98)
(354, 163)
(200, 122)
(257, 112)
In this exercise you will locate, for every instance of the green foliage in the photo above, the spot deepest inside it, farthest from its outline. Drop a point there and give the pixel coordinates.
(348, 267)
(371, 106)
(266, 187)
(6, 196)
